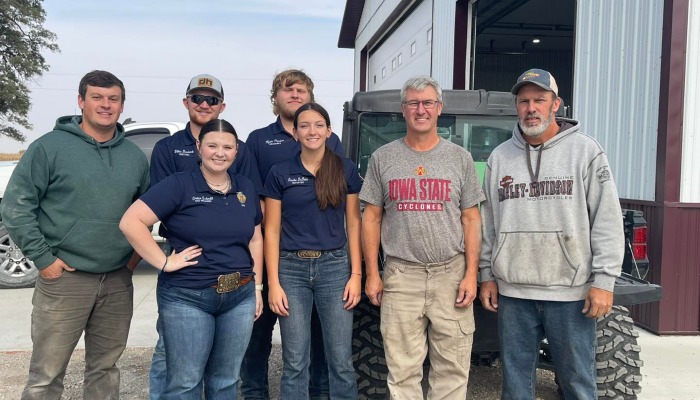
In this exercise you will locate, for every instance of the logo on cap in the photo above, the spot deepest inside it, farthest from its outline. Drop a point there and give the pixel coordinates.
(205, 82)
(530, 75)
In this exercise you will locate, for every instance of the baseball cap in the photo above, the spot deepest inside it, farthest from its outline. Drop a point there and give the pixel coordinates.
(539, 77)
(206, 81)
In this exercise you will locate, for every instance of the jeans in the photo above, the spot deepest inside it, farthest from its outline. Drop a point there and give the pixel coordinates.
(99, 304)
(205, 335)
(523, 323)
(254, 369)
(419, 318)
(320, 281)
(158, 372)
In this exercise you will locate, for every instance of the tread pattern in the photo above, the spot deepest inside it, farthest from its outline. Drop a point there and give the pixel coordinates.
(618, 363)
(368, 352)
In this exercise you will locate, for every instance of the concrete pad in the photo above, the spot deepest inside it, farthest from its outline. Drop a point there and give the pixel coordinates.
(17, 311)
(671, 369)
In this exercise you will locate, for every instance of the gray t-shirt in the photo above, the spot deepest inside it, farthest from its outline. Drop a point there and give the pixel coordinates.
(423, 195)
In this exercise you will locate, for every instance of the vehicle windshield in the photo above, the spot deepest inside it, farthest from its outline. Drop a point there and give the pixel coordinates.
(477, 133)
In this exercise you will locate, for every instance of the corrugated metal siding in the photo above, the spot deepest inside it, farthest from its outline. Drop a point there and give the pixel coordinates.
(680, 309)
(674, 234)
(616, 86)
(443, 42)
(690, 167)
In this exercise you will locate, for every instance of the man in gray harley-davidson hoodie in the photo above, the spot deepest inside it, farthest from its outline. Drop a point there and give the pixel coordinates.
(553, 242)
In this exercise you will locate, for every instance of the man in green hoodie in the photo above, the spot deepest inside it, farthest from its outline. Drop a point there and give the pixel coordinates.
(62, 207)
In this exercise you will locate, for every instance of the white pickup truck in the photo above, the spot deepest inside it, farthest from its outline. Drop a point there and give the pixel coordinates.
(16, 271)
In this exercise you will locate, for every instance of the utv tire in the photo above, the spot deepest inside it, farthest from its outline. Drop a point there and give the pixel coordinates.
(617, 356)
(368, 352)
(16, 271)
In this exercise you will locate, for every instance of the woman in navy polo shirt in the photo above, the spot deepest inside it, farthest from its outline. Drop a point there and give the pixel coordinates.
(312, 222)
(207, 297)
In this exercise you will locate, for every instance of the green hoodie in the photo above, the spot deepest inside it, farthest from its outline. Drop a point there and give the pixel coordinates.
(67, 195)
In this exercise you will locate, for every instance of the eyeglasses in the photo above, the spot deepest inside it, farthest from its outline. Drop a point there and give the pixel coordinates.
(427, 104)
(198, 99)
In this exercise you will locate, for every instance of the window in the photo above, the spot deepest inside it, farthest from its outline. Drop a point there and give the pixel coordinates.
(413, 48)
(430, 35)
(384, 72)
(399, 59)
(478, 134)
(145, 139)
(393, 64)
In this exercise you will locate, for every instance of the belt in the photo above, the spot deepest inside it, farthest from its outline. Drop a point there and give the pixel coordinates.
(308, 253)
(231, 282)
(313, 253)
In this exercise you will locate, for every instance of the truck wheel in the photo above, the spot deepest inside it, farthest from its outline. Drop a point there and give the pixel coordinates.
(16, 271)
(368, 352)
(617, 356)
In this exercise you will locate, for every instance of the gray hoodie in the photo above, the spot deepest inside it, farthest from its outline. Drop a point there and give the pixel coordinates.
(551, 234)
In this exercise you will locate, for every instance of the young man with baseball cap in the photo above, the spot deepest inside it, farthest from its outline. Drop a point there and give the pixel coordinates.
(204, 101)
(552, 242)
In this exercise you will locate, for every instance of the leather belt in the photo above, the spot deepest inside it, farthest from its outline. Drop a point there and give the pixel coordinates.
(231, 282)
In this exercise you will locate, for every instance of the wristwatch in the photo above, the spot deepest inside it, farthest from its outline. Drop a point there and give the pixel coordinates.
(259, 287)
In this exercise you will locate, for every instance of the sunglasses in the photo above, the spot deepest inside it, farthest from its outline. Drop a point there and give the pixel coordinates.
(198, 99)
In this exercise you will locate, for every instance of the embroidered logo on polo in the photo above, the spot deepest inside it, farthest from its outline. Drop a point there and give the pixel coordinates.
(422, 194)
(183, 153)
(274, 142)
(202, 199)
(241, 198)
(299, 180)
(549, 188)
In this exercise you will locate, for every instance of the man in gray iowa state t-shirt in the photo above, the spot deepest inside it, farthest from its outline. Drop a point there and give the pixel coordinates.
(421, 195)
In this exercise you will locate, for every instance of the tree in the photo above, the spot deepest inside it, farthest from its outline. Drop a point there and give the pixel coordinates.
(22, 38)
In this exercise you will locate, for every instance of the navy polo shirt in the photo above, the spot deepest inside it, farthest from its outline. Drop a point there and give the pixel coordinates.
(304, 225)
(272, 144)
(178, 153)
(222, 225)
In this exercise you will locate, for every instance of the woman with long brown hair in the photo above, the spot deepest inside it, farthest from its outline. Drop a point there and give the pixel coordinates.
(312, 253)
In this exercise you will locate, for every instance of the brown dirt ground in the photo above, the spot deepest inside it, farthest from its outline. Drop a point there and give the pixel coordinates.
(484, 382)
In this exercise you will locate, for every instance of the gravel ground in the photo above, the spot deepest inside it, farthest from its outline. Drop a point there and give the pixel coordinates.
(484, 382)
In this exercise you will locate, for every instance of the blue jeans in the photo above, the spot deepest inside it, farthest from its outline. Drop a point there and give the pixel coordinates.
(320, 281)
(205, 335)
(158, 373)
(254, 369)
(521, 326)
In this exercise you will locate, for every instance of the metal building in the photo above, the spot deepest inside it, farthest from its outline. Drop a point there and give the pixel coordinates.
(629, 70)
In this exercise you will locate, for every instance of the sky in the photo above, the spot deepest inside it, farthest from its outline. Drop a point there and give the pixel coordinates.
(155, 47)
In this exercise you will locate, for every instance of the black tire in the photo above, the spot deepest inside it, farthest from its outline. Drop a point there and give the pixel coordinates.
(617, 356)
(368, 352)
(16, 271)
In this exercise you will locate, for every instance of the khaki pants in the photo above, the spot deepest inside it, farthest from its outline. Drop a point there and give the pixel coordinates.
(418, 317)
(99, 304)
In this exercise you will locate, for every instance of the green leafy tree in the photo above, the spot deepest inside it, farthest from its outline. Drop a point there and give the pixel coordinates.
(22, 38)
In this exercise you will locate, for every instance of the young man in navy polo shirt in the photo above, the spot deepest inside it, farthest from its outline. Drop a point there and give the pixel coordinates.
(204, 101)
(271, 145)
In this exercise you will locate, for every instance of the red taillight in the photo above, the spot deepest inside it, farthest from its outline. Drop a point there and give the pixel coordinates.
(639, 236)
(639, 251)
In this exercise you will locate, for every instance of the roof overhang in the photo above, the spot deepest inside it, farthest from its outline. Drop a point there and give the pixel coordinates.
(350, 24)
